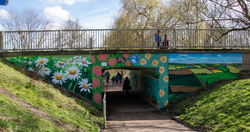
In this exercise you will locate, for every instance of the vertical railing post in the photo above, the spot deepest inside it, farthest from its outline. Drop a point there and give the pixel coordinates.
(224, 42)
(117, 38)
(59, 40)
(174, 39)
(90, 43)
(1, 41)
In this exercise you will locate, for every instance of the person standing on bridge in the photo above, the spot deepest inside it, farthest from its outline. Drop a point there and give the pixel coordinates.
(158, 38)
(165, 42)
(107, 74)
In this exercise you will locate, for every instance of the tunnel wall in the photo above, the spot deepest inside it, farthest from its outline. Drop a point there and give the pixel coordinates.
(145, 85)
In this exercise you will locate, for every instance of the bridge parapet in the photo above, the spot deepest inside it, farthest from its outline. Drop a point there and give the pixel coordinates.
(132, 39)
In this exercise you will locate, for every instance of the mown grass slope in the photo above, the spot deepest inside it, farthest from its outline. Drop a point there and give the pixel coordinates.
(221, 106)
(76, 113)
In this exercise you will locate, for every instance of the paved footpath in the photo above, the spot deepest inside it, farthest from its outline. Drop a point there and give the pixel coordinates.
(130, 114)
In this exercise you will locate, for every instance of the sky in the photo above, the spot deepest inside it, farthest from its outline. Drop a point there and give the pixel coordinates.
(208, 58)
(93, 14)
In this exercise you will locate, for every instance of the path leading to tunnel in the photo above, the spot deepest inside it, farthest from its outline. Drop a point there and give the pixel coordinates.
(131, 114)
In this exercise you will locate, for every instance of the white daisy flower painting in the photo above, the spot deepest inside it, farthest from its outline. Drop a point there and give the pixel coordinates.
(73, 73)
(84, 62)
(41, 62)
(30, 62)
(84, 85)
(58, 78)
(46, 71)
(70, 61)
(60, 64)
(40, 73)
(77, 58)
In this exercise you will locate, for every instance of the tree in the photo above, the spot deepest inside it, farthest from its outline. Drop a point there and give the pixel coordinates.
(225, 16)
(71, 33)
(74, 36)
(26, 20)
(140, 14)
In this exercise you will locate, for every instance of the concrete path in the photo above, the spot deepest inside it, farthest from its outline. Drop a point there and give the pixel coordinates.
(131, 114)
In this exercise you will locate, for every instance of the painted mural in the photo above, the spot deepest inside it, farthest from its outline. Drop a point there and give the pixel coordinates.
(189, 71)
(70, 72)
(159, 61)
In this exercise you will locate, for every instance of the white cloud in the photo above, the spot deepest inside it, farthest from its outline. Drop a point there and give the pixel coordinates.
(4, 14)
(56, 13)
(68, 2)
(55, 26)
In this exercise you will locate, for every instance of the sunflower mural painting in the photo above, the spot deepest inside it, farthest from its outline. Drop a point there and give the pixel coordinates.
(70, 72)
(157, 61)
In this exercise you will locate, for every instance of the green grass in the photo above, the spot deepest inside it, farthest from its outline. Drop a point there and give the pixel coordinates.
(69, 108)
(17, 118)
(220, 106)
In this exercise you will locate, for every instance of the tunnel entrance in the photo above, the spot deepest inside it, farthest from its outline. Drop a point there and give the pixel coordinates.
(138, 99)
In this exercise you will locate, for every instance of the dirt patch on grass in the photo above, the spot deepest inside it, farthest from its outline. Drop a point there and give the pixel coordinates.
(33, 109)
(3, 130)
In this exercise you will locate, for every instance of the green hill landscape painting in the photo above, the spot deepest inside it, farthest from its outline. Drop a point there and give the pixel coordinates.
(188, 72)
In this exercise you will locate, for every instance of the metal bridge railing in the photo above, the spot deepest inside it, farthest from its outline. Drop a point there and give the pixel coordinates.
(119, 39)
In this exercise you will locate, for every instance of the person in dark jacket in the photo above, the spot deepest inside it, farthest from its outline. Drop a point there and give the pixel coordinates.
(113, 80)
(107, 74)
(158, 38)
(165, 42)
(117, 78)
(126, 85)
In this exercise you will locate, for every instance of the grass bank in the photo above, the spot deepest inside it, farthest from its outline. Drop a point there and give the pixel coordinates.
(71, 110)
(220, 106)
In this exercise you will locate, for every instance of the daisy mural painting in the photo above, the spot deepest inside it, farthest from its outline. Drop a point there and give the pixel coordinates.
(71, 72)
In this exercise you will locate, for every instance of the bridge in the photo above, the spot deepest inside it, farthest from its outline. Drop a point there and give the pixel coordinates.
(77, 59)
(120, 39)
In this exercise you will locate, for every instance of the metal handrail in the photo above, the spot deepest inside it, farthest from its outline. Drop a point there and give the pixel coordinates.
(46, 40)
